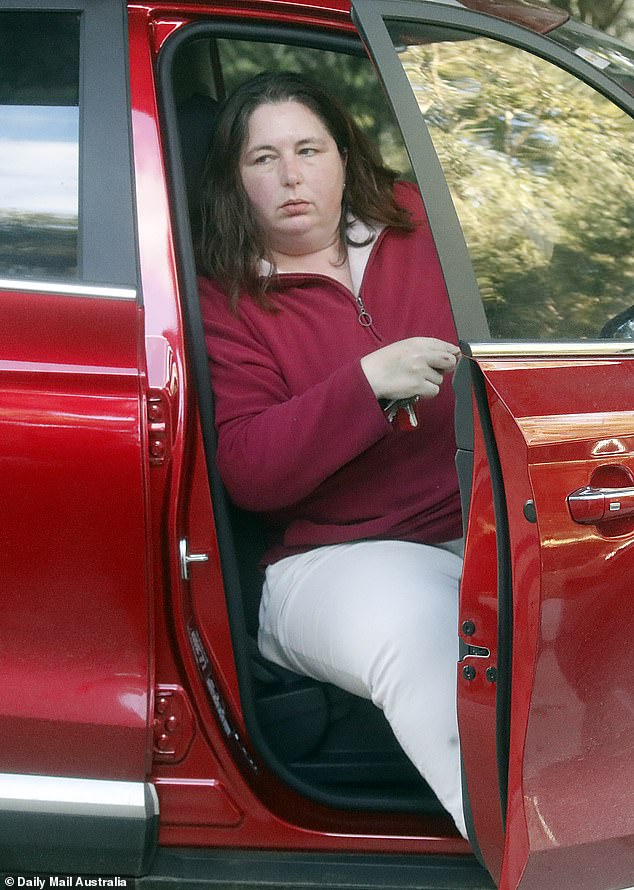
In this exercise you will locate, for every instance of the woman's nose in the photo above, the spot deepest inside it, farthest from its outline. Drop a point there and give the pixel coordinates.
(291, 172)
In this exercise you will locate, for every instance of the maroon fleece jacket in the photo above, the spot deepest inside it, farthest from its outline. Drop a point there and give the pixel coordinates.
(301, 437)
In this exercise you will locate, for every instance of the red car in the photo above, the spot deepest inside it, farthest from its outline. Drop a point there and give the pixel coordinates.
(142, 733)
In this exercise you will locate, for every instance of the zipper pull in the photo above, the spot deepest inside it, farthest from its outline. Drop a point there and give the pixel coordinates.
(364, 318)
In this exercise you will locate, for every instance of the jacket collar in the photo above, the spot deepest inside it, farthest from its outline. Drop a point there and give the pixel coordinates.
(359, 252)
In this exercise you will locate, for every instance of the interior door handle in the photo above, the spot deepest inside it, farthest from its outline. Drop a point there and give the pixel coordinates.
(591, 505)
(186, 558)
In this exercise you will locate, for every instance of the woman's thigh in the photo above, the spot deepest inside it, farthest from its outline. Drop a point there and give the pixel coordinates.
(350, 613)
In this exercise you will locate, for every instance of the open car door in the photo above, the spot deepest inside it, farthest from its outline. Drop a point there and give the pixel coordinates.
(521, 144)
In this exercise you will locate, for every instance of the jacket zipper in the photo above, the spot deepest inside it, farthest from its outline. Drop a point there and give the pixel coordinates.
(364, 317)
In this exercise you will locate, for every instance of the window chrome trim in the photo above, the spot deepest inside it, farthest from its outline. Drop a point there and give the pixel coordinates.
(93, 291)
(519, 349)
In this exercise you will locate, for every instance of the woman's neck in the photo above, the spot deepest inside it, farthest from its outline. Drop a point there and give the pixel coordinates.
(326, 261)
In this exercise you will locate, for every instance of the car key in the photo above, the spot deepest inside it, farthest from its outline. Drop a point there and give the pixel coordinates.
(393, 407)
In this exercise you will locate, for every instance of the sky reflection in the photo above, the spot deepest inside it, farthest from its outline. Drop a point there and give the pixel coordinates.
(39, 160)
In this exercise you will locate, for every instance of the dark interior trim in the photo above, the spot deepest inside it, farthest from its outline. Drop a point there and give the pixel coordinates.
(290, 36)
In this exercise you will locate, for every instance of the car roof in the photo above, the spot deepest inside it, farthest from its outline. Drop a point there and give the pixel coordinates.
(536, 15)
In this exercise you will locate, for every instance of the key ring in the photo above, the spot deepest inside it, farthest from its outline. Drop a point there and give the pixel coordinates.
(393, 407)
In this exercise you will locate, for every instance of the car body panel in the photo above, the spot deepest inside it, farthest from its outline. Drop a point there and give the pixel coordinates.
(568, 760)
(478, 627)
(76, 638)
(76, 676)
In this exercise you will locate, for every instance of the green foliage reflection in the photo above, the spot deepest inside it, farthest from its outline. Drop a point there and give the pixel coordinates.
(540, 170)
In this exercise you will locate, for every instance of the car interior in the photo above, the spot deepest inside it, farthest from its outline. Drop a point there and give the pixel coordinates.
(325, 743)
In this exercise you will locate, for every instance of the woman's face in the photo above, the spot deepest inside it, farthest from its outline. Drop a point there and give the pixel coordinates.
(293, 175)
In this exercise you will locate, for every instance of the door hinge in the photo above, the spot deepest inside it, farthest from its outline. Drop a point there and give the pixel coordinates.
(161, 399)
(173, 724)
(159, 428)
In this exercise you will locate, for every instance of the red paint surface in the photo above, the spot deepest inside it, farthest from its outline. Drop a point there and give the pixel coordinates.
(74, 634)
(95, 611)
(558, 424)
(477, 697)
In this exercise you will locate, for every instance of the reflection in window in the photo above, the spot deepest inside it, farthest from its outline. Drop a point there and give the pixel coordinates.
(540, 170)
(39, 144)
(613, 57)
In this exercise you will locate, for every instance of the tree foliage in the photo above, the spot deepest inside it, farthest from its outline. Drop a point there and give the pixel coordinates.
(614, 16)
(539, 165)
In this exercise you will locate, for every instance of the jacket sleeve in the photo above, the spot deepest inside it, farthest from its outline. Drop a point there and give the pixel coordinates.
(275, 447)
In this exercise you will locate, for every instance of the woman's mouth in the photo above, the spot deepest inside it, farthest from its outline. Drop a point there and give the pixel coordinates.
(295, 207)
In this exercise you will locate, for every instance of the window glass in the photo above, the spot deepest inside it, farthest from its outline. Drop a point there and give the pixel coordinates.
(39, 144)
(540, 169)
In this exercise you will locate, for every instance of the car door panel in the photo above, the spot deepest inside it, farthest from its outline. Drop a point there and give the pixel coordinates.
(480, 673)
(571, 686)
(71, 456)
(75, 636)
(551, 420)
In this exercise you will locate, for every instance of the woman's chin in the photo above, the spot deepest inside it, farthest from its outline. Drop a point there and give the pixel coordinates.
(298, 234)
(299, 222)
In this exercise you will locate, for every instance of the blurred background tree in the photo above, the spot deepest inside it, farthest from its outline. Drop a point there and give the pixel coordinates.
(614, 16)
(539, 167)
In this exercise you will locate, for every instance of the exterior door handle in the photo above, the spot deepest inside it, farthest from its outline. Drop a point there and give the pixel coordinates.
(591, 505)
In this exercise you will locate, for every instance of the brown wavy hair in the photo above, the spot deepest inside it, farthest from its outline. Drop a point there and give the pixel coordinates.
(232, 243)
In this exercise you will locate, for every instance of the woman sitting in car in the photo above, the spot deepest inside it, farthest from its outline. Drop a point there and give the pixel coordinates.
(330, 341)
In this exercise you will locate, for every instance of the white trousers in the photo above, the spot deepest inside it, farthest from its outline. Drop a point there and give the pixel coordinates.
(379, 619)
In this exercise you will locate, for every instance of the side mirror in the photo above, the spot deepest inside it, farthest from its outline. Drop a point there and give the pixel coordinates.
(621, 327)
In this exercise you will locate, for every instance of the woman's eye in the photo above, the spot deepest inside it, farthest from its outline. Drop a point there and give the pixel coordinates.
(308, 151)
(262, 159)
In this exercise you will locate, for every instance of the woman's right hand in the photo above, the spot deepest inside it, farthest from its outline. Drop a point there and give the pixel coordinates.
(412, 367)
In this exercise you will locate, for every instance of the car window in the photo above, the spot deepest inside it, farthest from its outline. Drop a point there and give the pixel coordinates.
(540, 167)
(39, 144)
(215, 67)
(351, 78)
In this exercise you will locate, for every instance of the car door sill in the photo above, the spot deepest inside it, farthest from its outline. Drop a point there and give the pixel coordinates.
(195, 869)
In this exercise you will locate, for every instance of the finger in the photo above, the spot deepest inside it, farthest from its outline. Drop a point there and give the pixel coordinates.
(442, 360)
(429, 390)
(444, 345)
(433, 376)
